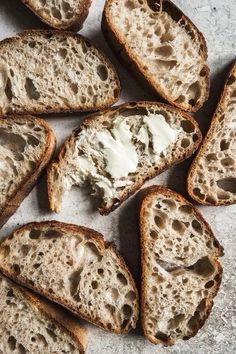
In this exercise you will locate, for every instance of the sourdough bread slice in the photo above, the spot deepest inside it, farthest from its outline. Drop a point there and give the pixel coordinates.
(61, 14)
(31, 324)
(162, 46)
(54, 71)
(116, 150)
(26, 146)
(212, 176)
(181, 273)
(74, 267)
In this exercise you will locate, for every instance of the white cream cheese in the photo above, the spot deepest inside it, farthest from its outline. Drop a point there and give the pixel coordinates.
(118, 150)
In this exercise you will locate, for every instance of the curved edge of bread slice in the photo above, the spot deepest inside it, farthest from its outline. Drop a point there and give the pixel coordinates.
(125, 53)
(74, 267)
(65, 170)
(48, 316)
(73, 17)
(211, 178)
(181, 272)
(14, 141)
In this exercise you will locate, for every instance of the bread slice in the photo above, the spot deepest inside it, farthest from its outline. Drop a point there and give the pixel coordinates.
(54, 71)
(61, 14)
(162, 46)
(30, 324)
(26, 146)
(212, 177)
(73, 266)
(181, 273)
(116, 150)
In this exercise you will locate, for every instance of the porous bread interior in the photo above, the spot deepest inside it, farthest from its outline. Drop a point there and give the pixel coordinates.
(22, 142)
(68, 171)
(213, 177)
(54, 71)
(60, 12)
(164, 49)
(180, 269)
(77, 271)
(24, 329)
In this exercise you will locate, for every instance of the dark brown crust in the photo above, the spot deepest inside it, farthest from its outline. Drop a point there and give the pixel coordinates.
(207, 140)
(56, 314)
(88, 233)
(30, 180)
(145, 194)
(110, 101)
(74, 25)
(125, 56)
(104, 210)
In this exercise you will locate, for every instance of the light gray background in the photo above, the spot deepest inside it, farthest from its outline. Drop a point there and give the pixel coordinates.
(217, 20)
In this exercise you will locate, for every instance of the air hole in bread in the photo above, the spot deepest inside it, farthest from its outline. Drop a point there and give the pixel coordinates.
(161, 336)
(6, 250)
(51, 233)
(16, 269)
(74, 282)
(209, 284)
(180, 99)
(160, 219)
(204, 72)
(74, 88)
(25, 250)
(197, 226)
(36, 265)
(211, 157)
(127, 311)
(164, 51)
(186, 209)
(56, 13)
(11, 343)
(131, 296)
(8, 90)
(187, 126)
(121, 279)
(130, 4)
(101, 272)
(94, 284)
(31, 89)
(178, 226)
(185, 143)
(32, 140)
(224, 145)
(34, 234)
(228, 161)
(167, 65)
(175, 322)
(153, 235)
(62, 52)
(198, 193)
(194, 321)
(50, 330)
(227, 184)
(12, 73)
(93, 251)
(32, 44)
(102, 72)
(203, 267)
(170, 204)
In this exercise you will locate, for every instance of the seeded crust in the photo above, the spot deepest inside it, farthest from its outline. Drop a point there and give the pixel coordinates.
(74, 24)
(21, 190)
(149, 196)
(124, 52)
(106, 115)
(217, 147)
(91, 237)
(40, 89)
(46, 312)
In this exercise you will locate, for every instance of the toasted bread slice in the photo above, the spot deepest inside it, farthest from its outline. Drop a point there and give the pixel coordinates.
(61, 14)
(181, 273)
(54, 71)
(31, 324)
(162, 46)
(116, 150)
(212, 176)
(74, 267)
(26, 146)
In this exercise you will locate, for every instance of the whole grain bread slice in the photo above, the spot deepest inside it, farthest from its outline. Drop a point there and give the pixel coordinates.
(73, 266)
(26, 146)
(181, 273)
(162, 47)
(212, 176)
(60, 14)
(31, 324)
(116, 150)
(54, 71)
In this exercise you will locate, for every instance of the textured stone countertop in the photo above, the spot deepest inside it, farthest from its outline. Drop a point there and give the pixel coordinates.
(217, 20)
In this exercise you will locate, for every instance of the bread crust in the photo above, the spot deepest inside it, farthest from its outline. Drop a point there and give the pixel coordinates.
(124, 54)
(104, 210)
(207, 139)
(91, 235)
(144, 197)
(75, 25)
(30, 180)
(110, 101)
